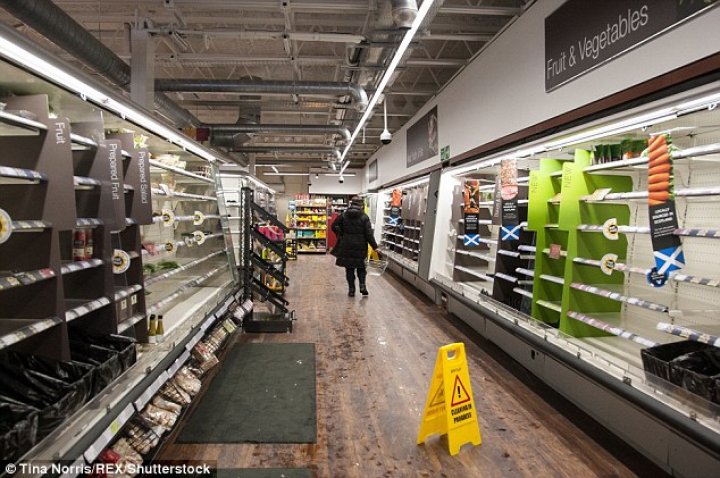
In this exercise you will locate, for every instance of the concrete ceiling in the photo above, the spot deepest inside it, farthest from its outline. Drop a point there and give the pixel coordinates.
(303, 40)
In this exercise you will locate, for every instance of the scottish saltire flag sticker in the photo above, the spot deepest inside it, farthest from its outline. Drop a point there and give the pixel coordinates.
(471, 239)
(510, 233)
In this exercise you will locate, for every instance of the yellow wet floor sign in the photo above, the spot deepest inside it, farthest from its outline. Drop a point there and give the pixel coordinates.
(450, 408)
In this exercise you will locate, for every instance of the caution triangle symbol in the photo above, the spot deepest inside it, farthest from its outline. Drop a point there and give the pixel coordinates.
(459, 393)
(439, 397)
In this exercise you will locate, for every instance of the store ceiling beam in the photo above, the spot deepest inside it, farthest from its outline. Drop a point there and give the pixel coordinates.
(485, 11)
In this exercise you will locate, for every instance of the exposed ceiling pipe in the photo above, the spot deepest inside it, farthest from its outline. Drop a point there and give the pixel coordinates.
(57, 26)
(404, 13)
(263, 35)
(278, 128)
(253, 87)
(287, 149)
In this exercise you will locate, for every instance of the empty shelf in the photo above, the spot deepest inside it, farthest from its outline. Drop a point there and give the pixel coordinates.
(20, 279)
(10, 175)
(550, 305)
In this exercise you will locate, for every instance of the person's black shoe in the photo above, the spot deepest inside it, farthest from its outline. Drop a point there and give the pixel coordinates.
(363, 290)
(351, 292)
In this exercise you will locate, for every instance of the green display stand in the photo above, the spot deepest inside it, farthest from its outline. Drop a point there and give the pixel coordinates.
(543, 218)
(555, 211)
(574, 211)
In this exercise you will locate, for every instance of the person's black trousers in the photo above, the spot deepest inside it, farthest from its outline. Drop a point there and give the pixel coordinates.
(350, 276)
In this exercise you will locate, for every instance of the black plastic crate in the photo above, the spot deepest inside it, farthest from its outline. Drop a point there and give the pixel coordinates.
(656, 360)
(124, 346)
(698, 372)
(18, 428)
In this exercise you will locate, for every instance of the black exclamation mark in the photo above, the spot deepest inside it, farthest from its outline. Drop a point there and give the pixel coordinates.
(458, 389)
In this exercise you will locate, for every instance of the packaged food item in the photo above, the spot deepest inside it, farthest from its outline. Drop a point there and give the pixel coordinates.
(158, 416)
(175, 394)
(160, 332)
(187, 381)
(168, 405)
(78, 250)
(205, 358)
(89, 245)
(128, 456)
(141, 438)
(152, 331)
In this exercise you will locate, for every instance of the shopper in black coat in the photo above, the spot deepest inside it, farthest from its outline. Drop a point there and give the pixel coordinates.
(354, 233)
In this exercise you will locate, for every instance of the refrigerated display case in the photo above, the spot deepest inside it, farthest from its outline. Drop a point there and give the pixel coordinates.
(400, 216)
(107, 216)
(612, 271)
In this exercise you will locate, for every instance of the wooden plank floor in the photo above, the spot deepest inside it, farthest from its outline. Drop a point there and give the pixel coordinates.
(375, 356)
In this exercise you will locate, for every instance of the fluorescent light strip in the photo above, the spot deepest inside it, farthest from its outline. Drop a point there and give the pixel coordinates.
(404, 44)
(408, 185)
(283, 174)
(87, 92)
(665, 114)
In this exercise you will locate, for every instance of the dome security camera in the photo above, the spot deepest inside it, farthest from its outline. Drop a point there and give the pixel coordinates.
(386, 137)
(341, 179)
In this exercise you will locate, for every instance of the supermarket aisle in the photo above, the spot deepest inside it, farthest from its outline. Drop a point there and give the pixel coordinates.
(374, 358)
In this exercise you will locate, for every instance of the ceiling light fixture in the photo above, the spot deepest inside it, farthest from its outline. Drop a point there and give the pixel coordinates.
(57, 75)
(404, 44)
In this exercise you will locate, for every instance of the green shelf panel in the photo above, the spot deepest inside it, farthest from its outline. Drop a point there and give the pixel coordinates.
(545, 184)
(573, 212)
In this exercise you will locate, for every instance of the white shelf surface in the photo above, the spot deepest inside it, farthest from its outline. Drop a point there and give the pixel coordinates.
(662, 299)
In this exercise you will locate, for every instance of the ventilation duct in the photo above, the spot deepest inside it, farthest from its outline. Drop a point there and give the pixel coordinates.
(57, 26)
(233, 136)
(404, 13)
(254, 87)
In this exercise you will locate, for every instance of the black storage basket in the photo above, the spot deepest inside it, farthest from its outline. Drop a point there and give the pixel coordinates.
(54, 399)
(124, 346)
(18, 428)
(656, 360)
(106, 363)
(698, 372)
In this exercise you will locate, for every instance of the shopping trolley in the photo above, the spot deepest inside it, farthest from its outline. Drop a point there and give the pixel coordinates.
(374, 264)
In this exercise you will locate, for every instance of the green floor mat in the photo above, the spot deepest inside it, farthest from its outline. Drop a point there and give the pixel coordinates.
(264, 393)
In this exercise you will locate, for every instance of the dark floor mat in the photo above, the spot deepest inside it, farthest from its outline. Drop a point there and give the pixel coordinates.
(264, 393)
(254, 473)
(265, 473)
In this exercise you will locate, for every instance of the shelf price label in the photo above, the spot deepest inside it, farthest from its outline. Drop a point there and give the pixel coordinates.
(108, 434)
(5, 226)
(168, 217)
